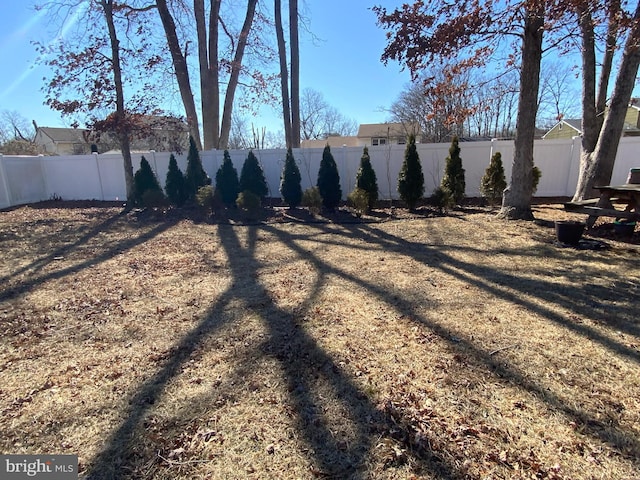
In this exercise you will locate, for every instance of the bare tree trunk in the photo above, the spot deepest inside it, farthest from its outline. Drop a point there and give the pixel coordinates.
(591, 123)
(123, 133)
(516, 203)
(284, 73)
(597, 159)
(181, 71)
(208, 62)
(295, 73)
(236, 67)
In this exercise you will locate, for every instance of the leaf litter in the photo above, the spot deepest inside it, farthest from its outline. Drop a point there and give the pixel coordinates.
(412, 346)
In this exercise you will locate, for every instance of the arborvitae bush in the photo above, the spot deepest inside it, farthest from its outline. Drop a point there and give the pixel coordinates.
(312, 199)
(493, 181)
(536, 174)
(411, 178)
(144, 180)
(247, 200)
(453, 180)
(366, 178)
(290, 181)
(175, 184)
(329, 181)
(359, 200)
(195, 176)
(252, 177)
(227, 183)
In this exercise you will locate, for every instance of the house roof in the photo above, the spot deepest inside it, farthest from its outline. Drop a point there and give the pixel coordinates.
(369, 130)
(65, 135)
(575, 123)
(333, 141)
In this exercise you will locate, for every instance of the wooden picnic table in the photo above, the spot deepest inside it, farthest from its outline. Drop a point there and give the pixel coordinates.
(618, 201)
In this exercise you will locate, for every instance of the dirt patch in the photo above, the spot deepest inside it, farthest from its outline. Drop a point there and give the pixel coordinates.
(395, 345)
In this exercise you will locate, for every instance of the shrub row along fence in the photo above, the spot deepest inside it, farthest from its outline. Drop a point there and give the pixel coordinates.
(101, 177)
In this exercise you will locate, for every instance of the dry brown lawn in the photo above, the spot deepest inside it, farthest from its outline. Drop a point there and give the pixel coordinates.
(404, 347)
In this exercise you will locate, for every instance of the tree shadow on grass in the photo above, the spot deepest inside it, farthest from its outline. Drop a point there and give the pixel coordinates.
(40, 263)
(499, 283)
(310, 373)
(107, 251)
(306, 366)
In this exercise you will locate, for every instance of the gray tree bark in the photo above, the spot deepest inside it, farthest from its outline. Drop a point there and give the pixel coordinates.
(181, 71)
(516, 201)
(123, 134)
(208, 63)
(600, 143)
(295, 73)
(284, 73)
(236, 67)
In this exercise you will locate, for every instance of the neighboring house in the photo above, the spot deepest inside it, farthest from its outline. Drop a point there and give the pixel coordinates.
(374, 134)
(569, 128)
(62, 141)
(332, 141)
(162, 134)
(573, 127)
(369, 134)
(152, 132)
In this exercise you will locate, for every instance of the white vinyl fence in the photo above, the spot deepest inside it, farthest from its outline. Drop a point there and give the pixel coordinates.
(101, 177)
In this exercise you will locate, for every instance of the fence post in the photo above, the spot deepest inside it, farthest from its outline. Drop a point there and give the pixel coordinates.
(47, 194)
(574, 165)
(155, 164)
(5, 185)
(95, 155)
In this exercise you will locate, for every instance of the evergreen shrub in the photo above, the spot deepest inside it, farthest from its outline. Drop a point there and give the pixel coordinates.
(252, 177)
(366, 179)
(290, 181)
(441, 199)
(312, 199)
(329, 181)
(144, 180)
(154, 199)
(411, 178)
(206, 197)
(359, 200)
(453, 179)
(493, 181)
(247, 200)
(227, 183)
(536, 175)
(175, 184)
(195, 177)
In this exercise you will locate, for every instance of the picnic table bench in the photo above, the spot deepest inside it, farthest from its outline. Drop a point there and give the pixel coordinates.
(617, 201)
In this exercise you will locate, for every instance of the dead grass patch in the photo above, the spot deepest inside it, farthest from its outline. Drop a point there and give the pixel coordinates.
(416, 346)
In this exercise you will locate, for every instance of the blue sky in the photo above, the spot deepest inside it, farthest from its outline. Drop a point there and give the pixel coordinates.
(343, 63)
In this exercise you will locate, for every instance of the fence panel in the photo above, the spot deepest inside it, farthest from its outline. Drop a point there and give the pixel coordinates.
(32, 179)
(627, 158)
(25, 180)
(72, 178)
(5, 199)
